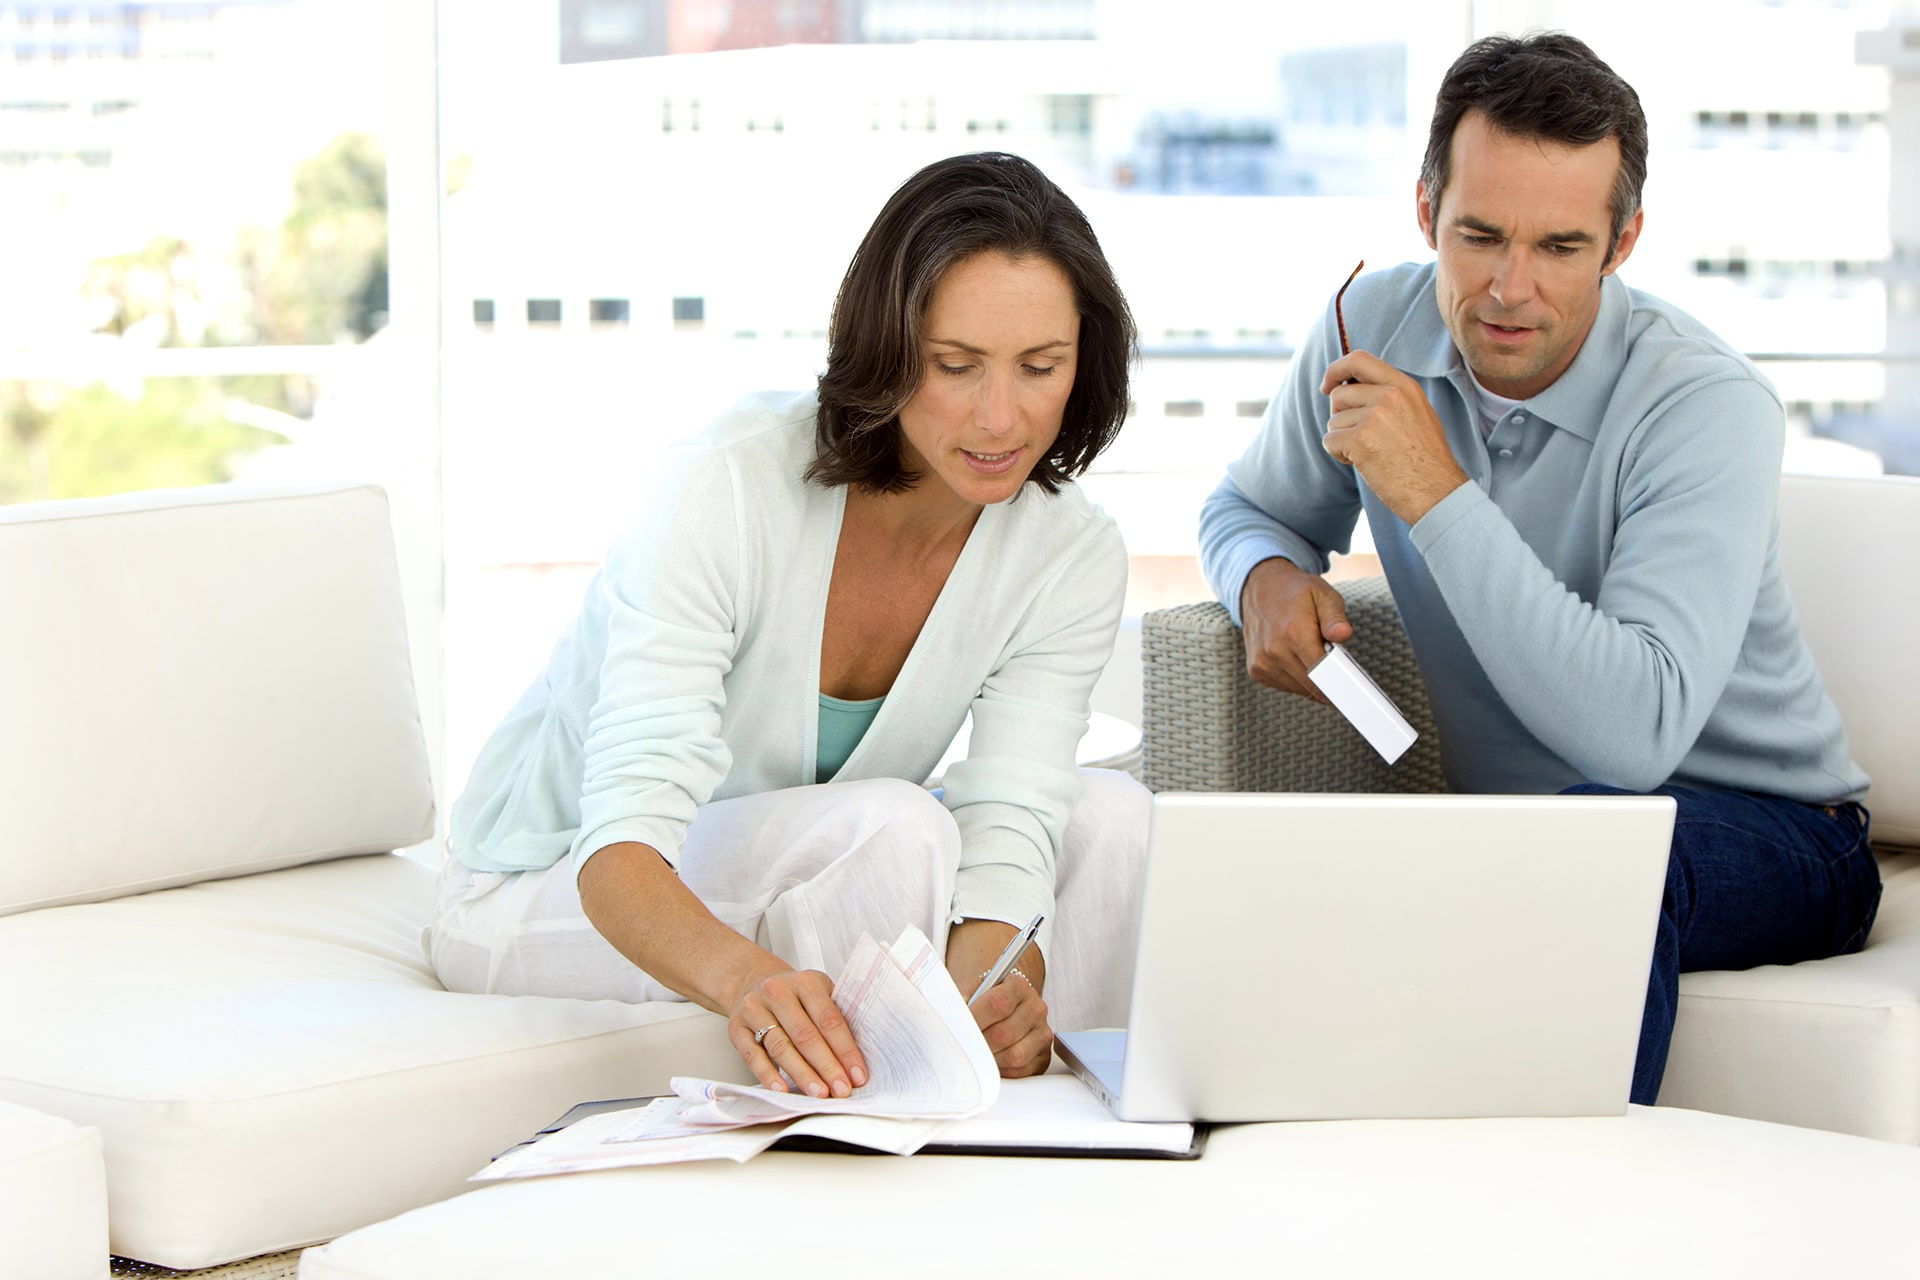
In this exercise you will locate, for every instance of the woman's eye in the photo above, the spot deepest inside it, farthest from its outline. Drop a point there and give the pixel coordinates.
(1039, 372)
(950, 368)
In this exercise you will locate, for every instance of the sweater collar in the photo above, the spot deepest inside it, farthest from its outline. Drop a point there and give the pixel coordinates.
(1577, 400)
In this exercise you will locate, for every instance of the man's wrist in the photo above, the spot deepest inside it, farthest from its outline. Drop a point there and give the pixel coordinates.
(1434, 498)
(1268, 567)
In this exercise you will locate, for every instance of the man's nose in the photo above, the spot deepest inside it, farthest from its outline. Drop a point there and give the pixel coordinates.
(1513, 278)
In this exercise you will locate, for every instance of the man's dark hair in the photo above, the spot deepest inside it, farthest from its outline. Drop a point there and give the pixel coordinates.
(1546, 85)
(947, 212)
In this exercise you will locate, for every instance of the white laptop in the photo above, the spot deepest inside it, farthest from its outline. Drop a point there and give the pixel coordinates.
(1335, 957)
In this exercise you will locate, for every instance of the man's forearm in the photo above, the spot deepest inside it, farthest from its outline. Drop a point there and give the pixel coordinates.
(1236, 535)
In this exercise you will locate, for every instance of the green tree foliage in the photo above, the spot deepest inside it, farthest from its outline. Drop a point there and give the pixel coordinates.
(58, 442)
(320, 277)
(156, 288)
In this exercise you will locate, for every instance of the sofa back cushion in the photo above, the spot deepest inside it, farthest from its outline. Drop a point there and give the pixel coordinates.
(1847, 547)
(201, 683)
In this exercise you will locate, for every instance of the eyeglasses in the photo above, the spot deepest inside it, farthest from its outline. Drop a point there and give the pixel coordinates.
(1339, 319)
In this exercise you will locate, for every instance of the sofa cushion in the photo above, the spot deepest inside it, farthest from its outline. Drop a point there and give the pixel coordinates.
(1832, 1044)
(202, 683)
(272, 1063)
(1846, 545)
(53, 1198)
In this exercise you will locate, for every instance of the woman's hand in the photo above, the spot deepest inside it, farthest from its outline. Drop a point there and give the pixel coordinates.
(1012, 1016)
(777, 1018)
(787, 1021)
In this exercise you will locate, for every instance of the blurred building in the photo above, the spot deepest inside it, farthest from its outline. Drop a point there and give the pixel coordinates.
(128, 120)
(592, 30)
(642, 238)
(1770, 173)
(1892, 429)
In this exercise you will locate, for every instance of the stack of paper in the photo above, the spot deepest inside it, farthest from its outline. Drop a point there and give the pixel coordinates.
(925, 1055)
(926, 1064)
(931, 1079)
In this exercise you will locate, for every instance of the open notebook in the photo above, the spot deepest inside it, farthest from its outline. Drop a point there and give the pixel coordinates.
(1049, 1115)
(932, 1080)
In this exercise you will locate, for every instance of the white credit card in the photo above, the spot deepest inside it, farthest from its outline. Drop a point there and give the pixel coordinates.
(1359, 699)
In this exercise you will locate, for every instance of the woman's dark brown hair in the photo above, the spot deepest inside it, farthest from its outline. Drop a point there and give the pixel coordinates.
(947, 212)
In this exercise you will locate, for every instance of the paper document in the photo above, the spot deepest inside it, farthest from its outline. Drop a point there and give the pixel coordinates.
(1045, 1115)
(925, 1055)
(926, 1063)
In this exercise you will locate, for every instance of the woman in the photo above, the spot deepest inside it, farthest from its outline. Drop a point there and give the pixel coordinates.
(821, 588)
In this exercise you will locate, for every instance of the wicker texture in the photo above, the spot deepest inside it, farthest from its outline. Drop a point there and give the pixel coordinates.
(268, 1266)
(1209, 727)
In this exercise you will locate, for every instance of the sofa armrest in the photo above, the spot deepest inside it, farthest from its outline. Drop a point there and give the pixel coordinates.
(1208, 727)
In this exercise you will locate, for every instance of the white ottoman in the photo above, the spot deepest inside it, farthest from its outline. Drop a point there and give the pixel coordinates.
(1658, 1192)
(53, 1198)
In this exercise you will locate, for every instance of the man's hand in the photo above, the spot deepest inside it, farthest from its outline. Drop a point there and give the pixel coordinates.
(1286, 617)
(1383, 427)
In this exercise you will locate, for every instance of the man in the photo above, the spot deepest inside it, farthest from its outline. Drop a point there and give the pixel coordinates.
(1572, 489)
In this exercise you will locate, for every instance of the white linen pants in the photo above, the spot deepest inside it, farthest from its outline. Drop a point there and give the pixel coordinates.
(803, 873)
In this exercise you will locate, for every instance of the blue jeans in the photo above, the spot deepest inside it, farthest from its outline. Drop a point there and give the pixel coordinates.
(1751, 880)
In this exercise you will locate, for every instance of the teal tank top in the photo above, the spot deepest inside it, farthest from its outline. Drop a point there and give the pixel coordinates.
(842, 725)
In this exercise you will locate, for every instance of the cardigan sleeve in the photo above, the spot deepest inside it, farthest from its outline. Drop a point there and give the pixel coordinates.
(1012, 795)
(653, 751)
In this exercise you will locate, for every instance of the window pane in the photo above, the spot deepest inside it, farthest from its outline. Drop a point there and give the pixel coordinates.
(199, 178)
(1234, 158)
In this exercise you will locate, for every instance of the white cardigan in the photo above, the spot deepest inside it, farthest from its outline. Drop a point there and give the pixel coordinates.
(692, 671)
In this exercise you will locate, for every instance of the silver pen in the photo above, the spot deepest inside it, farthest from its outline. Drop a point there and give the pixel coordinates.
(1007, 957)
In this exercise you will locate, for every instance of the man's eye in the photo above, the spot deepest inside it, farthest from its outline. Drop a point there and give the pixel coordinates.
(1483, 242)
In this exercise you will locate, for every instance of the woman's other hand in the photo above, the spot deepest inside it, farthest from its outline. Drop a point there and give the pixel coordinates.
(787, 1021)
(1012, 1016)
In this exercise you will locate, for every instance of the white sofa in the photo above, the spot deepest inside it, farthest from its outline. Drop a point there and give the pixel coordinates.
(209, 742)
(1831, 1044)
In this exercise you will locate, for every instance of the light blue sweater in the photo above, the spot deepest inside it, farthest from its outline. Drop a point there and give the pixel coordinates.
(692, 671)
(1604, 601)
